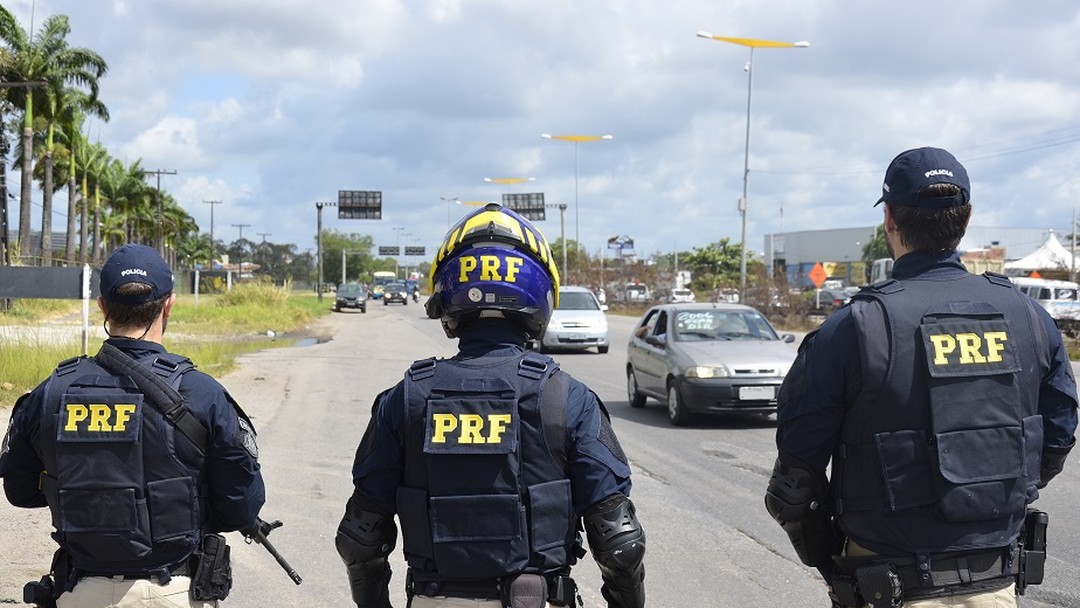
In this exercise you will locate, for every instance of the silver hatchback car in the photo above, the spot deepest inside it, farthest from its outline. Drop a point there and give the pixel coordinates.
(578, 323)
(707, 358)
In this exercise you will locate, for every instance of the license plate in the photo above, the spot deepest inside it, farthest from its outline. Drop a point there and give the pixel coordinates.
(577, 337)
(757, 393)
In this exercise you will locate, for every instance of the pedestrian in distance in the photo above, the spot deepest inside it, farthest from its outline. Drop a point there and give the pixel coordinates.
(945, 402)
(141, 459)
(491, 458)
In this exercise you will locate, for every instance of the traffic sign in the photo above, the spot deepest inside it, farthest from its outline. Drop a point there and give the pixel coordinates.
(817, 275)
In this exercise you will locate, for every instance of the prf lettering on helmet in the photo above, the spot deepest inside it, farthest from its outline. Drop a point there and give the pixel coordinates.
(97, 417)
(489, 268)
(469, 428)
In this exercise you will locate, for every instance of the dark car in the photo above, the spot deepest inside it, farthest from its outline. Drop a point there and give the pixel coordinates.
(707, 358)
(351, 295)
(395, 292)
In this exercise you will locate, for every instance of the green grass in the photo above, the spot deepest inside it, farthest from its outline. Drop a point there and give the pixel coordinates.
(213, 333)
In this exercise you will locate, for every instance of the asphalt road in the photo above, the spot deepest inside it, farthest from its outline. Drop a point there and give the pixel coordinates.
(698, 489)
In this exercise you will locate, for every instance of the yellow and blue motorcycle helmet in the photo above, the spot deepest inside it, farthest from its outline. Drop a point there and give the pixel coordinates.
(493, 263)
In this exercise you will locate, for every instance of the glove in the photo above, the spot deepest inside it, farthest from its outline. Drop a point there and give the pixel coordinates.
(261, 529)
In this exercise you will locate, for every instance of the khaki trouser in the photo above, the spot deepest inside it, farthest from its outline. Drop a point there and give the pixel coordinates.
(1002, 598)
(118, 592)
(441, 601)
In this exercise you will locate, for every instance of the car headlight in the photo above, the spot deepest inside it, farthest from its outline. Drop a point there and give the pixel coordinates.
(705, 371)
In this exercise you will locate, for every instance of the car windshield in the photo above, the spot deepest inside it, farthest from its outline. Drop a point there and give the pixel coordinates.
(350, 290)
(702, 325)
(395, 287)
(577, 300)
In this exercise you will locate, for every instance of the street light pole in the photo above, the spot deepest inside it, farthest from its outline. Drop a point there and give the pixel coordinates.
(576, 139)
(212, 205)
(743, 206)
(240, 248)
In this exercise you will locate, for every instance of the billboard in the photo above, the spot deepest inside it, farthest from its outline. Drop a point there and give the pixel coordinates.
(359, 205)
(529, 205)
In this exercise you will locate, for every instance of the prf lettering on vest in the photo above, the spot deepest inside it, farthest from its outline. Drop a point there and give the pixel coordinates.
(489, 268)
(469, 428)
(97, 417)
(968, 348)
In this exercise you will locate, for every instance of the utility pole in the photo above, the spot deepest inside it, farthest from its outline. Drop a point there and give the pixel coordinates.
(240, 248)
(264, 235)
(212, 205)
(160, 222)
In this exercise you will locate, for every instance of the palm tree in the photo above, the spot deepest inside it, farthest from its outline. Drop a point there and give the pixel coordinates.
(45, 57)
(67, 105)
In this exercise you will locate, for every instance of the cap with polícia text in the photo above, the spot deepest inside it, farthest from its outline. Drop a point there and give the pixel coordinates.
(135, 263)
(911, 172)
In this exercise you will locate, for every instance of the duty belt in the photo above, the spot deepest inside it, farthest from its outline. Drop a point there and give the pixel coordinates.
(178, 570)
(927, 576)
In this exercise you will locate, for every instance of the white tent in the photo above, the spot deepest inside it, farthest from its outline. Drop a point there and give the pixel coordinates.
(1050, 255)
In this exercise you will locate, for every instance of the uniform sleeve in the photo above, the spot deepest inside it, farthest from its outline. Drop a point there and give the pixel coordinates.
(810, 408)
(20, 465)
(378, 468)
(235, 488)
(1057, 395)
(598, 467)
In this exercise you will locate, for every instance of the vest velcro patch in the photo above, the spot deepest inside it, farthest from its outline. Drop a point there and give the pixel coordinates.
(478, 425)
(110, 417)
(969, 347)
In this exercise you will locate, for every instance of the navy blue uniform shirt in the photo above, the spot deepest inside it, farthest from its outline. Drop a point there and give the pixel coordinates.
(595, 472)
(233, 484)
(809, 427)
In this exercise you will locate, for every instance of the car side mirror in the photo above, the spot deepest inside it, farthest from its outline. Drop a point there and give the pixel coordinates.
(603, 307)
(789, 338)
(657, 341)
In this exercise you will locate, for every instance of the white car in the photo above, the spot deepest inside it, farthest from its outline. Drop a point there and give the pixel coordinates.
(680, 296)
(578, 323)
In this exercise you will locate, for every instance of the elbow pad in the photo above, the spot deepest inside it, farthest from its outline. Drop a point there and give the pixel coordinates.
(617, 541)
(365, 537)
(796, 499)
(1053, 462)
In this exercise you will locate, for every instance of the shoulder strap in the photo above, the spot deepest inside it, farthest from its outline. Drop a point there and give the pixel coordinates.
(553, 414)
(158, 392)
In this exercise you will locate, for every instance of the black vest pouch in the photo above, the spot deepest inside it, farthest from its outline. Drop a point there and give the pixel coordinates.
(978, 432)
(550, 507)
(477, 534)
(103, 512)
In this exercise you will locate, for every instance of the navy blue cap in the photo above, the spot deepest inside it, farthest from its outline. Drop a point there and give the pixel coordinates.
(912, 171)
(135, 264)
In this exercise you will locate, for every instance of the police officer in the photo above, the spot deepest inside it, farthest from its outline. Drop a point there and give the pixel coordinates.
(490, 458)
(133, 491)
(944, 400)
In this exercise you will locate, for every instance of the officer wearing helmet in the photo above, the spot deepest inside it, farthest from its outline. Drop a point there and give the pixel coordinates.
(491, 458)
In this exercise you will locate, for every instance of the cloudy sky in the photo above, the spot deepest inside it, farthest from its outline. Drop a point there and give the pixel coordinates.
(273, 105)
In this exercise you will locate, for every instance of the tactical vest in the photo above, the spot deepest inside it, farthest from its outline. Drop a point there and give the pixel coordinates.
(121, 482)
(485, 490)
(941, 448)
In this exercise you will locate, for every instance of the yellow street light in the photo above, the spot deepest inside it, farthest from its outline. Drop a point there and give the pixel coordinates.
(576, 139)
(508, 180)
(751, 43)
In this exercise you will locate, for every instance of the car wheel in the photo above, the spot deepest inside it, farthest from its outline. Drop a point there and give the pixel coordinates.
(676, 409)
(363, 308)
(633, 395)
(337, 309)
(385, 303)
(602, 350)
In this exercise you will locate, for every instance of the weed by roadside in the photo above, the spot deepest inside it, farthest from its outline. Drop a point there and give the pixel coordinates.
(213, 334)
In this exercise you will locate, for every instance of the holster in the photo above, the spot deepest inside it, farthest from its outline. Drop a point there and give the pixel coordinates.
(536, 591)
(212, 572)
(1032, 550)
